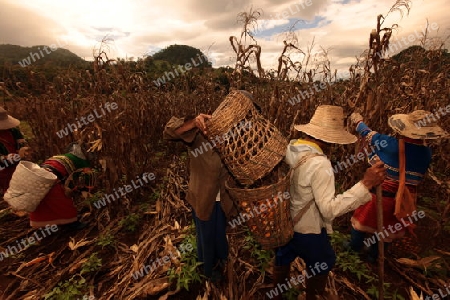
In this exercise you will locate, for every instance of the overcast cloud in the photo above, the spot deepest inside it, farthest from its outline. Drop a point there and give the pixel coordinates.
(141, 27)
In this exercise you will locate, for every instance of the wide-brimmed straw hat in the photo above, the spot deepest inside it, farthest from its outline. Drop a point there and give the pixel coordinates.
(6, 121)
(420, 125)
(327, 124)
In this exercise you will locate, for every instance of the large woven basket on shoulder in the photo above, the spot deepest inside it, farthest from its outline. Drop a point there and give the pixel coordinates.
(249, 145)
(265, 210)
(28, 186)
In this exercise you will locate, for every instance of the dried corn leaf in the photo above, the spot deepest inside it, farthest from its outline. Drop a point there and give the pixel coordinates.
(176, 226)
(31, 296)
(75, 245)
(155, 286)
(30, 263)
(96, 145)
(102, 162)
(443, 252)
(50, 257)
(414, 295)
(134, 248)
(158, 206)
(77, 265)
(422, 263)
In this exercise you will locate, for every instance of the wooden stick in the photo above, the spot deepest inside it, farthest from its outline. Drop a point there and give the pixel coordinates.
(380, 243)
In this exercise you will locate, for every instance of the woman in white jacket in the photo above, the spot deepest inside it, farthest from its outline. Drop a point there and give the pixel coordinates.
(313, 198)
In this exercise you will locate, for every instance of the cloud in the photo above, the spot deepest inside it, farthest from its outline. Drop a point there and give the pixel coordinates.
(21, 26)
(142, 26)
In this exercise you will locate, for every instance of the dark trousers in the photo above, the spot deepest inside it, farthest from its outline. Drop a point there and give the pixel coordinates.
(314, 249)
(212, 244)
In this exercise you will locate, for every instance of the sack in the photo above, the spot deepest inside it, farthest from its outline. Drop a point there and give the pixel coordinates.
(28, 186)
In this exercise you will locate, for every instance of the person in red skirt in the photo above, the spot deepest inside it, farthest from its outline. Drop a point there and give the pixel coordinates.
(12, 148)
(57, 207)
(399, 208)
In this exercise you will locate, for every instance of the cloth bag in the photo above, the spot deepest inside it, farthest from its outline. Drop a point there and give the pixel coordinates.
(28, 186)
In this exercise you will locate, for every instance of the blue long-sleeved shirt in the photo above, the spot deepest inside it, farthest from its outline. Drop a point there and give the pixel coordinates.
(385, 147)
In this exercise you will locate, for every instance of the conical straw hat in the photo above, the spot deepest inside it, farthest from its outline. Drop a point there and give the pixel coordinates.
(420, 124)
(6, 121)
(327, 124)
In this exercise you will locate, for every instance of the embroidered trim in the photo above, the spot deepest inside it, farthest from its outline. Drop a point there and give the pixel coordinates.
(65, 161)
(407, 172)
(370, 135)
(411, 182)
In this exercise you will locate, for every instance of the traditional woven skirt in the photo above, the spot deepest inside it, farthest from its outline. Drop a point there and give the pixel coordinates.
(366, 215)
(55, 208)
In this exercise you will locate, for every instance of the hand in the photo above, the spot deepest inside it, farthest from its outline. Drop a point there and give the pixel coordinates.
(20, 213)
(25, 153)
(355, 118)
(200, 122)
(374, 175)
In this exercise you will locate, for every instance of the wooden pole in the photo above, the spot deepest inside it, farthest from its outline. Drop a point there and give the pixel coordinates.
(380, 243)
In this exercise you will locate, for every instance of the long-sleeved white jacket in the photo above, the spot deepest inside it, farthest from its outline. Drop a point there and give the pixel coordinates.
(314, 181)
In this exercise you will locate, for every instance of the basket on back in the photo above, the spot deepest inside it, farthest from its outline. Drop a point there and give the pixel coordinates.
(28, 186)
(266, 209)
(249, 145)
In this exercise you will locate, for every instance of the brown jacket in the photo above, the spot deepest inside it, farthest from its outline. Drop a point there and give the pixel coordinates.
(207, 173)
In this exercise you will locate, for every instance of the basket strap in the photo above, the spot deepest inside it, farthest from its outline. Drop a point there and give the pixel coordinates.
(300, 214)
(301, 161)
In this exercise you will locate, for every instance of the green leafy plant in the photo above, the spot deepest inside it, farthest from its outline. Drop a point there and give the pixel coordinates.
(144, 207)
(263, 257)
(93, 264)
(292, 293)
(374, 292)
(68, 290)
(106, 239)
(94, 198)
(349, 261)
(155, 195)
(130, 222)
(187, 273)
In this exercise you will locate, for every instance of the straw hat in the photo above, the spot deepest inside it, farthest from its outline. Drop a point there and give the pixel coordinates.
(419, 124)
(6, 121)
(327, 125)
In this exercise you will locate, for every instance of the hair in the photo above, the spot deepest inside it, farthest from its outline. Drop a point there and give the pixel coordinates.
(251, 97)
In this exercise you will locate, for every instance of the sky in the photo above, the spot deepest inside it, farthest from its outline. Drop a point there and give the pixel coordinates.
(142, 27)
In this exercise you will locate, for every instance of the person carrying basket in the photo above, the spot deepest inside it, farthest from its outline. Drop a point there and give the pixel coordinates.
(314, 204)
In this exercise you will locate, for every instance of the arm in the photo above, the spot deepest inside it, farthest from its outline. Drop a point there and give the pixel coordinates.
(382, 141)
(8, 159)
(331, 205)
(185, 129)
(24, 150)
(18, 136)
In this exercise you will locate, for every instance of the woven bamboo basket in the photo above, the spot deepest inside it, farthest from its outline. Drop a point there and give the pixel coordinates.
(249, 145)
(29, 185)
(266, 210)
